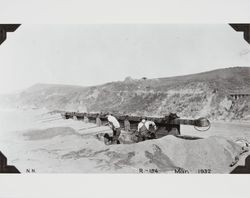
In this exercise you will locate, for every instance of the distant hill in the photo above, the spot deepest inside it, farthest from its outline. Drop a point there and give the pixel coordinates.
(202, 94)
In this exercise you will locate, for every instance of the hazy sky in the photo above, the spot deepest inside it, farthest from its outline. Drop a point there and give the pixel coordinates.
(94, 54)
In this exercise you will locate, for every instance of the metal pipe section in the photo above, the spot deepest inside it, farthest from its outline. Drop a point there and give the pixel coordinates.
(160, 121)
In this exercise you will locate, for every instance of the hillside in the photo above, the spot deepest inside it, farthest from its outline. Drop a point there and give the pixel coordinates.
(202, 94)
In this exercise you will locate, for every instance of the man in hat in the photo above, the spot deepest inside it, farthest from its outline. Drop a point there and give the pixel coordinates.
(115, 126)
(144, 132)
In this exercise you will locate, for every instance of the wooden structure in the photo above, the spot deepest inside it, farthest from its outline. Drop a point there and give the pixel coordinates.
(239, 95)
(168, 125)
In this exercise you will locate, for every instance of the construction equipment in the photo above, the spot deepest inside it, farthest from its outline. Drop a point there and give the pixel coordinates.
(168, 125)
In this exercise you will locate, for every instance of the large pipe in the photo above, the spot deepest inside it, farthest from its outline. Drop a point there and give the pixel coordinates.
(160, 121)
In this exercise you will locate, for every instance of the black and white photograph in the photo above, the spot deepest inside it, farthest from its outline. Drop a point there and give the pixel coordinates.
(125, 98)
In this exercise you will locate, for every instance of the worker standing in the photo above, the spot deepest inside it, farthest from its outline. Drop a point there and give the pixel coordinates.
(144, 132)
(115, 126)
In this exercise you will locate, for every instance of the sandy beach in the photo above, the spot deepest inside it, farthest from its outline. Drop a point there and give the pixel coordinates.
(35, 140)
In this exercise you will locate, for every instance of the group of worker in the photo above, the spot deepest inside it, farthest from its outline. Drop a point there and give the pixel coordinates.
(146, 129)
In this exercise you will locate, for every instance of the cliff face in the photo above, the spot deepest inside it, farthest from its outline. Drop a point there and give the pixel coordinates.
(203, 94)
